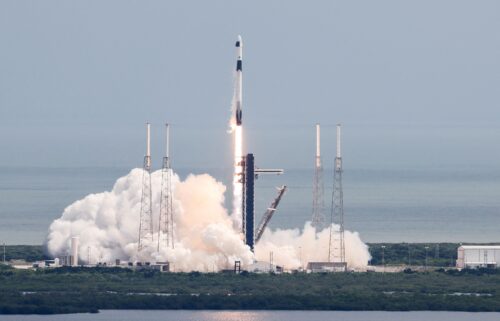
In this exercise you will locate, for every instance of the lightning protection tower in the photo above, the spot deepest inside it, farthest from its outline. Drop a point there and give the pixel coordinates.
(166, 223)
(146, 215)
(336, 248)
(318, 216)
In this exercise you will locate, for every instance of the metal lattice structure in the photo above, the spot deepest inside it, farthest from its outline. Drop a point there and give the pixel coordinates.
(166, 218)
(269, 214)
(336, 248)
(146, 214)
(318, 207)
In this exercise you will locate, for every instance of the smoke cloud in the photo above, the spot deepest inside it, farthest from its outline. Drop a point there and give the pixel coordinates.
(205, 239)
(295, 248)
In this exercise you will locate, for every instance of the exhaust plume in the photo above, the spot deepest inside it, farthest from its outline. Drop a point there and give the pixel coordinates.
(107, 225)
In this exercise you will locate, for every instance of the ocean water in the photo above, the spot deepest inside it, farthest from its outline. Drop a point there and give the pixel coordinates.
(413, 205)
(151, 315)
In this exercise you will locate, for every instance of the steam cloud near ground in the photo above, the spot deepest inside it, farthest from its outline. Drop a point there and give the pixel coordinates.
(205, 240)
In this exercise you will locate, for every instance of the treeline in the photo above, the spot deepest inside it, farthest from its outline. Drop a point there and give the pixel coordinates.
(29, 253)
(66, 290)
(91, 303)
(414, 254)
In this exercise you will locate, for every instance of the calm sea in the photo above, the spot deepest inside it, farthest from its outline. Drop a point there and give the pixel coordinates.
(417, 205)
(148, 315)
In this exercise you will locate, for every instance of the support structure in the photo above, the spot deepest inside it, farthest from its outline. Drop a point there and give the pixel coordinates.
(318, 207)
(336, 248)
(166, 218)
(250, 173)
(269, 214)
(146, 214)
(249, 200)
(237, 267)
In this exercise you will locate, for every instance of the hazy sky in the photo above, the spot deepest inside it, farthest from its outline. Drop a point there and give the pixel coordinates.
(415, 83)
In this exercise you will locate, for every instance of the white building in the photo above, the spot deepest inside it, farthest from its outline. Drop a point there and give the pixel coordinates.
(47, 263)
(319, 267)
(263, 267)
(474, 256)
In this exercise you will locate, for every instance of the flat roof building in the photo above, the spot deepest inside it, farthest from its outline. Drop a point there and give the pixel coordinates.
(476, 256)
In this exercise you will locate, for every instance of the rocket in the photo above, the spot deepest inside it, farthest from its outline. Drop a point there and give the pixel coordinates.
(239, 76)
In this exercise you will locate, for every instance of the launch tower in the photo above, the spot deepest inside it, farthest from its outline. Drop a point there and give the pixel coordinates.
(250, 174)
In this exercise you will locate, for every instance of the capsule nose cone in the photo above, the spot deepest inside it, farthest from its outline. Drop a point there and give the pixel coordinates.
(239, 42)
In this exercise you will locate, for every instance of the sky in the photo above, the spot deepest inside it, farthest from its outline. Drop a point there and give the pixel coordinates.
(414, 83)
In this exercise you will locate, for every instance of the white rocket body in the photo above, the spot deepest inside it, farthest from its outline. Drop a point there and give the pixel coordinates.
(239, 79)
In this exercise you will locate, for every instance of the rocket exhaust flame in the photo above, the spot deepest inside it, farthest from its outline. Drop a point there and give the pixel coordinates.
(238, 175)
(238, 136)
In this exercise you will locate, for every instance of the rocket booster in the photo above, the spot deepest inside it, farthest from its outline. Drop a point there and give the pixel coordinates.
(239, 76)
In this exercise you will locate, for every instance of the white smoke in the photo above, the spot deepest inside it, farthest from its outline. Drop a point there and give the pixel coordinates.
(295, 248)
(205, 240)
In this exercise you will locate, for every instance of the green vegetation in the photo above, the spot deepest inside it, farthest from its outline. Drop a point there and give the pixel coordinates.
(66, 290)
(29, 253)
(414, 254)
(69, 290)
